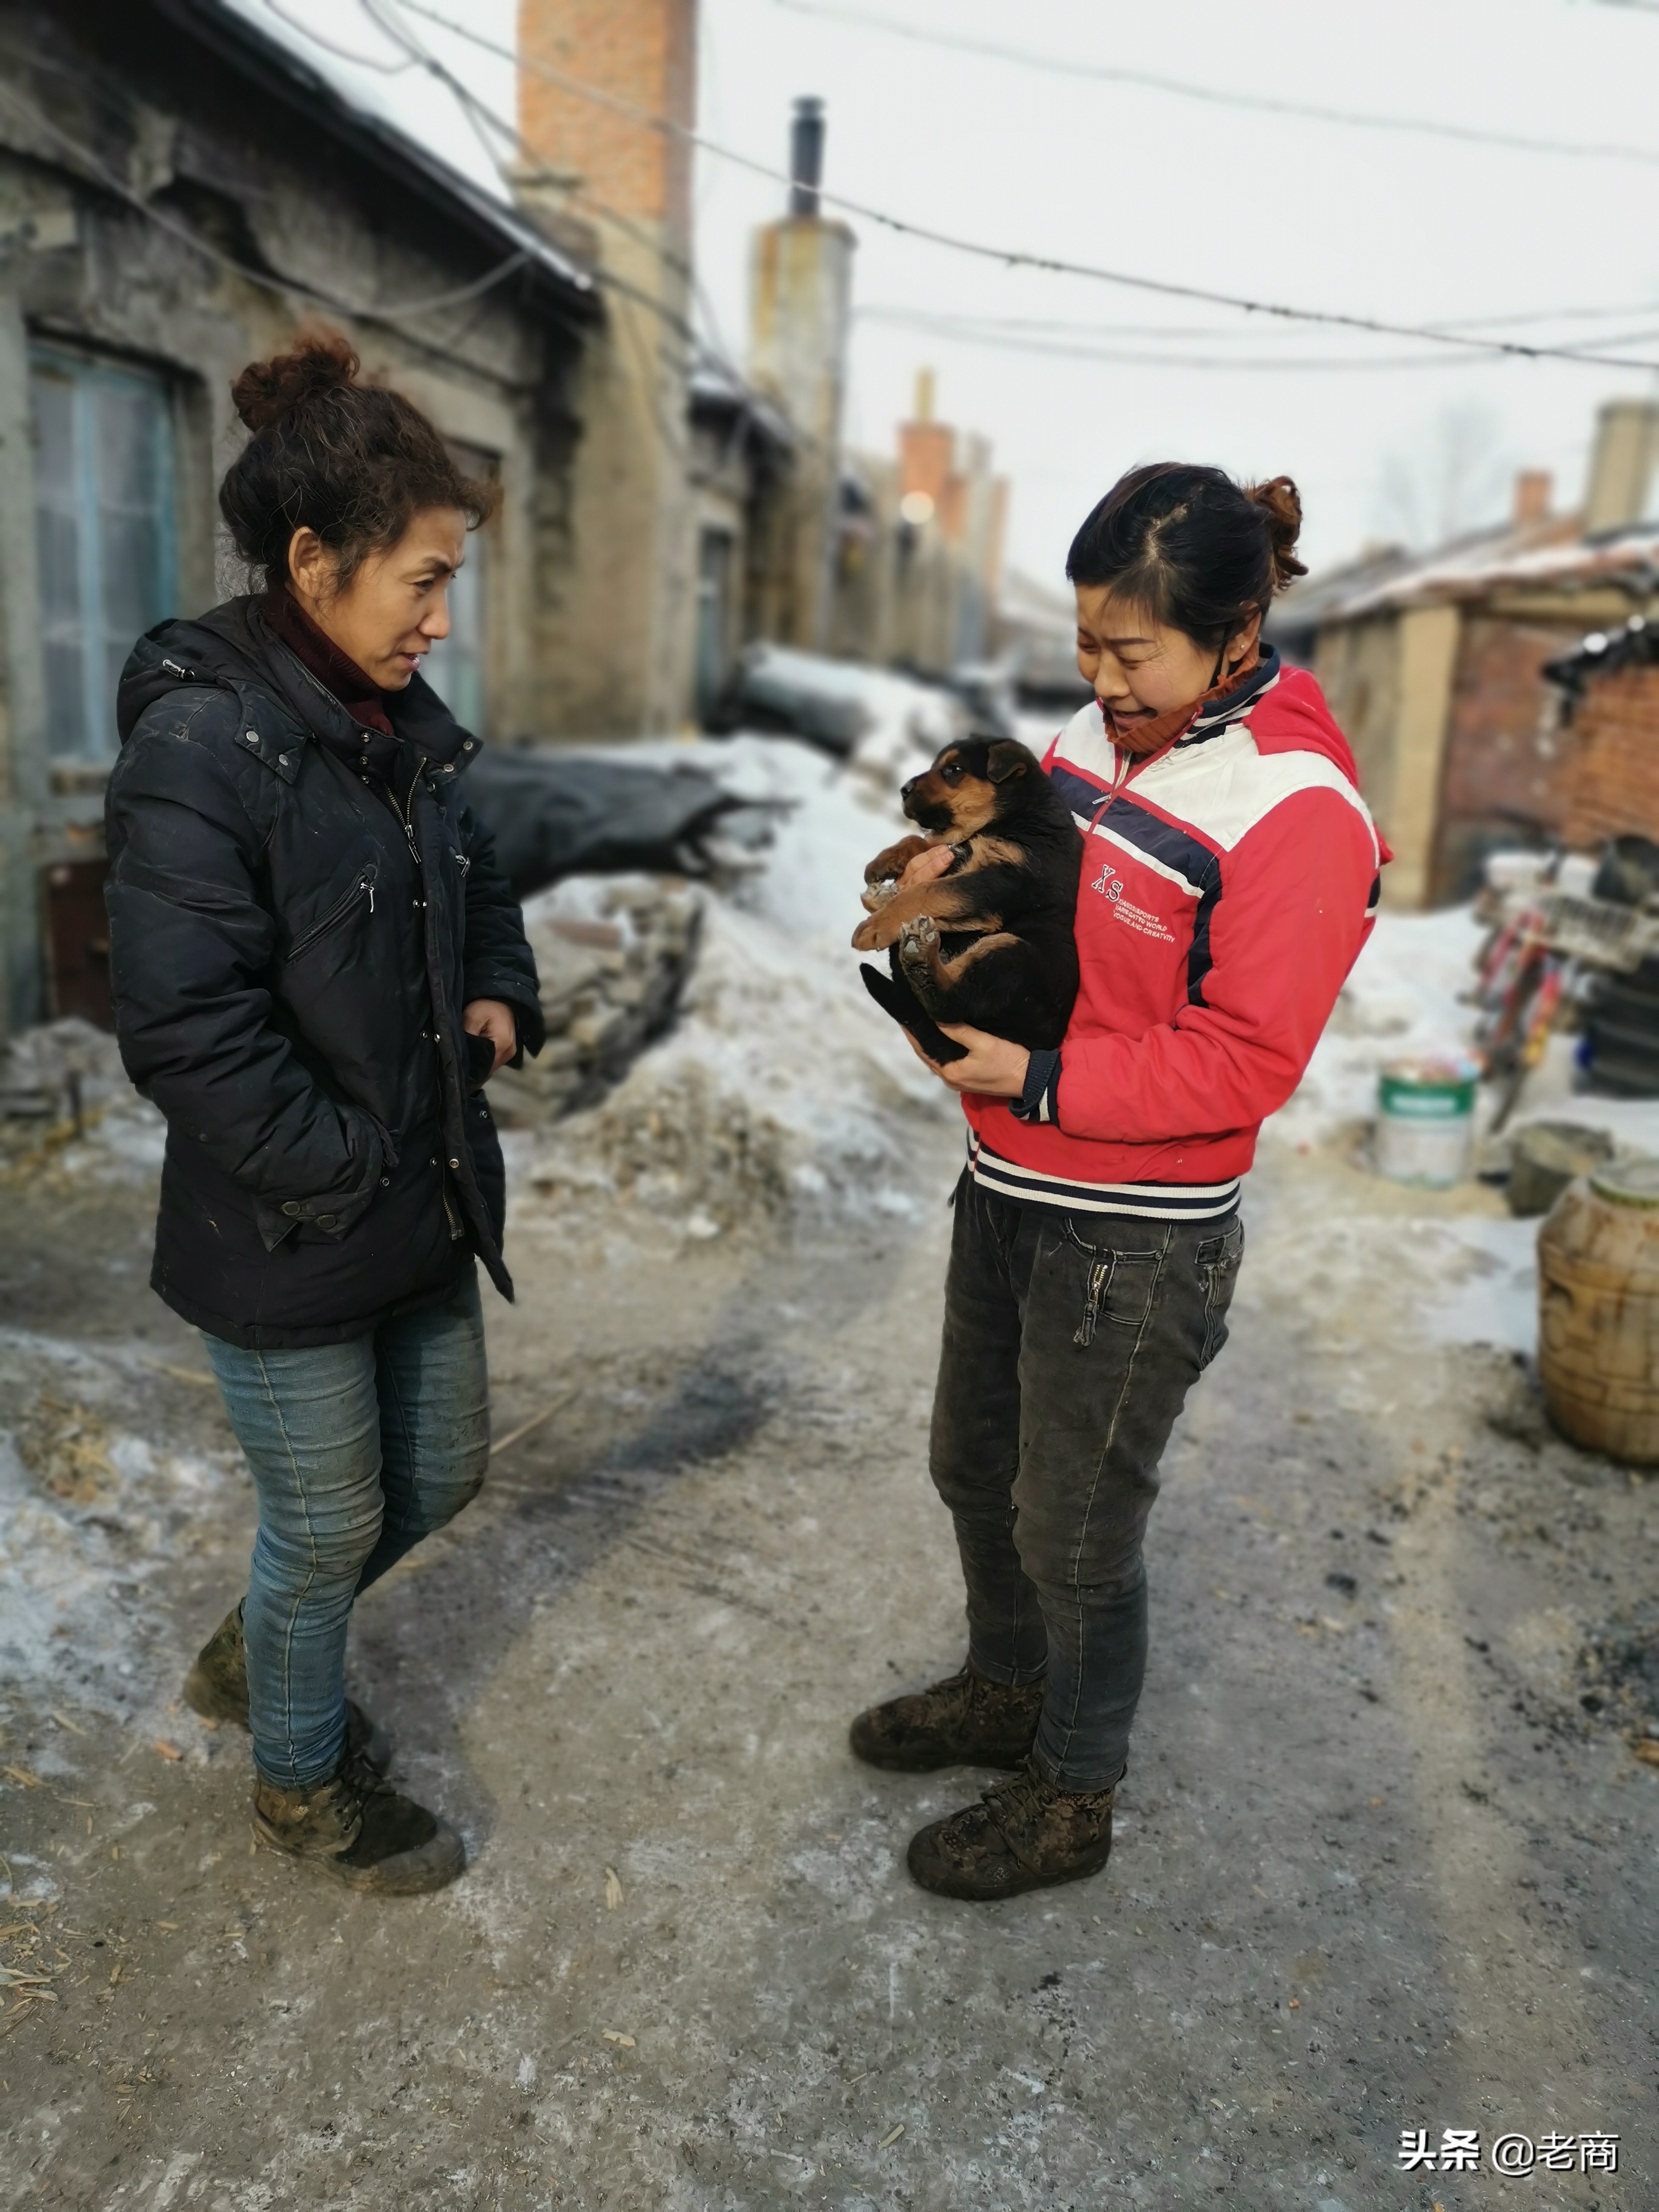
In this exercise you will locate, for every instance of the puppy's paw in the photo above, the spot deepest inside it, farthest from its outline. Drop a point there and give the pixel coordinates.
(872, 935)
(918, 942)
(878, 894)
(894, 861)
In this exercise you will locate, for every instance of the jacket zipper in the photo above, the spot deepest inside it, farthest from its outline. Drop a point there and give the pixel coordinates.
(337, 913)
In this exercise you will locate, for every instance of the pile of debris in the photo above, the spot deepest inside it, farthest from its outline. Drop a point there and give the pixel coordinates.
(614, 955)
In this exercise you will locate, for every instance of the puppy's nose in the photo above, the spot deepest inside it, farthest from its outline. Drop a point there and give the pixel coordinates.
(905, 789)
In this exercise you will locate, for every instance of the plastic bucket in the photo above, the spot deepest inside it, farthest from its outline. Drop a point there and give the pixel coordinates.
(1425, 1121)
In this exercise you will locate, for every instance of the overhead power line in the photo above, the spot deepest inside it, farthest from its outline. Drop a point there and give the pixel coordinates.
(1223, 333)
(963, 331)
(1053, 264)
(1220, 96)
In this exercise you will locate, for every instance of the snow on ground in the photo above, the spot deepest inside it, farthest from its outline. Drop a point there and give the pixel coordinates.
(1403, 997)
(94, 1515)
(1409, 994)
(120, 1137)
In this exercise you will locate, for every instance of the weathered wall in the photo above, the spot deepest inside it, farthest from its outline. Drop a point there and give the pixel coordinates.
(1613, 748)
(1357, 668)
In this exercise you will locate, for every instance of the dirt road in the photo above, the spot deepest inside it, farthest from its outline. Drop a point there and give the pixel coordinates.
(1385, 1859)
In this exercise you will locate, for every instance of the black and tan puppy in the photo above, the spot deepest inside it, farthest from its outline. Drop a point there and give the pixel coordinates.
(989, 944)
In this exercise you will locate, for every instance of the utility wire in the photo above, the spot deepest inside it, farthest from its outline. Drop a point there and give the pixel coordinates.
(1216, 97)
(964, 331)
(1028, 326)
(1014, 258)
(1082, 341)
(483, 118)
(375, 62)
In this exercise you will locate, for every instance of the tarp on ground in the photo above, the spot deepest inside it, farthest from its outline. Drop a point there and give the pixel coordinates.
(553, 814)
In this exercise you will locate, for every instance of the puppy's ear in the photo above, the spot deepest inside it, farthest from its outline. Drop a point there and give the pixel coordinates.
(1005, 760)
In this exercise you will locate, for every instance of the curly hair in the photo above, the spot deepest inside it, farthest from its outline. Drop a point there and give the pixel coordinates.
(1196, 550)
(355, 462)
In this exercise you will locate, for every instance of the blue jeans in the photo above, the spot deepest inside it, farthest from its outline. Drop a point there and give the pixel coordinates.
(358, 1450)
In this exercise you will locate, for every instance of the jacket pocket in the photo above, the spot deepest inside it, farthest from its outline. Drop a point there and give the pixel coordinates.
(343, 908)
(1218, 1259)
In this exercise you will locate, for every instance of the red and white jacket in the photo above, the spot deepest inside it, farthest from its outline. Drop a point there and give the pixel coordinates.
(1228, 884)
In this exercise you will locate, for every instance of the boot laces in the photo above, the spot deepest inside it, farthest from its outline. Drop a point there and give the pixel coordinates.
(1023, 1792)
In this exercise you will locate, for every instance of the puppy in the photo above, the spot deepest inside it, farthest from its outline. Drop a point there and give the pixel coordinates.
(990, 943)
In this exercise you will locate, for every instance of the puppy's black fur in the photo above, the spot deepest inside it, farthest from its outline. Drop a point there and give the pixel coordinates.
(990, 943)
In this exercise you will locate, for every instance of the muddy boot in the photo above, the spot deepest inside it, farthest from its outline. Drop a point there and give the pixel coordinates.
(1022, 1834)
(360, 1831)
(966, 1721)
(216, 1688)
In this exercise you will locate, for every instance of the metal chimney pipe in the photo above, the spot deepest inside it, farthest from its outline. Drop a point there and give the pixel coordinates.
(806, 158)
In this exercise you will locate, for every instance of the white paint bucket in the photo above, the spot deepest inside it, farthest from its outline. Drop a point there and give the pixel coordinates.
(1425, 1119)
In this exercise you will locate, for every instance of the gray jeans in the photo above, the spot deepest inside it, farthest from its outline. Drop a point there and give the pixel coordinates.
(1071, 1342)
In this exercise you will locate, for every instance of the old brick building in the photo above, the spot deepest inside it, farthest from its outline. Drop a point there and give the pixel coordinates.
(1435, 666)
(179, 195)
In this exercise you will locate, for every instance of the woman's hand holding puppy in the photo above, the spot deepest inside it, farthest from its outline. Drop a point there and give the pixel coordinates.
(993, 1067)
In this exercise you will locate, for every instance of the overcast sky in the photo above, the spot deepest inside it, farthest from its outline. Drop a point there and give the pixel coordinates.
(1408, 227)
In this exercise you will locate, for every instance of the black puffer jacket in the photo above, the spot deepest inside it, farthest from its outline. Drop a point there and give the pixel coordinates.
(290, 960)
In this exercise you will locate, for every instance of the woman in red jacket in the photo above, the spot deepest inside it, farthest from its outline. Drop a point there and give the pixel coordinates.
(1229, 878)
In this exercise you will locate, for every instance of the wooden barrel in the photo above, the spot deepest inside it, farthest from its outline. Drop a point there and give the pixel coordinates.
(1598, 1332)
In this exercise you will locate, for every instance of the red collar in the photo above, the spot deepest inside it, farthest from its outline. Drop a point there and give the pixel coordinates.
(362, 700)
(1151, 734)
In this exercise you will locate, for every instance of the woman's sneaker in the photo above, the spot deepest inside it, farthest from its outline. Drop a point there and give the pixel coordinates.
(965, 1721)
(216, 1688)
(1022, 1834)
(360, 1831)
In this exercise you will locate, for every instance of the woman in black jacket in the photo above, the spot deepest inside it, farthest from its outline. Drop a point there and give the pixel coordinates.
(317, 965)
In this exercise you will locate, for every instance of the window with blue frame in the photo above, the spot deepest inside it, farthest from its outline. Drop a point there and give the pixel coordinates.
(105, 531)
(455, 665)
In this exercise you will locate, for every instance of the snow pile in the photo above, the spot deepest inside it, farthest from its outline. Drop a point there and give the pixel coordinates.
(67, 1110)
(1405, 997)
(94, 1516)
(1411, 993)
(780, 1081)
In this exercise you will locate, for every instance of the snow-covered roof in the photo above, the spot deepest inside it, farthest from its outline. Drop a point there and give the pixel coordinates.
(1540, 556)
(716, 388)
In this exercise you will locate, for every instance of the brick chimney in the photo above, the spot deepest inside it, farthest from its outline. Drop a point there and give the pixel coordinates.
(927, 450)
(1622, 462)
(643, 53)
(621, 641)
(800, 308)
(1532, 490)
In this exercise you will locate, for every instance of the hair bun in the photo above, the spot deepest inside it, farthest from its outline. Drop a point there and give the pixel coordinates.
(1281, 503)
(318, 364)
